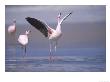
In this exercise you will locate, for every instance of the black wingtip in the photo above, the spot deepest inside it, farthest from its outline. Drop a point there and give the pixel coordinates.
(71, 13)
(39, 25)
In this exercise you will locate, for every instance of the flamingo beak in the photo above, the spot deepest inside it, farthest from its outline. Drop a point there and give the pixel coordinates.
(71, 13)
(59, 15)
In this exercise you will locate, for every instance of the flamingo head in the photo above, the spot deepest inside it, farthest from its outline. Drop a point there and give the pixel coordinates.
(59, 15)
(28, 32)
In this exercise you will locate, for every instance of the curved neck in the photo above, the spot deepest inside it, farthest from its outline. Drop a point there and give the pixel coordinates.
(58, 19)
(58, 27)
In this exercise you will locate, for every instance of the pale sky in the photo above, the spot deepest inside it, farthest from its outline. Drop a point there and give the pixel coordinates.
(48, 14)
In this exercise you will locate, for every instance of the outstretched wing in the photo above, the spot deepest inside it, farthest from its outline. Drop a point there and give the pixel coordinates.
(65, 17)
(39, 25)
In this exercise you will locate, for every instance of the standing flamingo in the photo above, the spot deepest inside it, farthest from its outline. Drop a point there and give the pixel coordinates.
(12, 28)
(52, 34)
(12, 33)
(23, 39)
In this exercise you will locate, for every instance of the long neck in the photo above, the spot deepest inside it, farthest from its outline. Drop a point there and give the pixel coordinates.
(58, 19)
(58, 25)
(58, 28)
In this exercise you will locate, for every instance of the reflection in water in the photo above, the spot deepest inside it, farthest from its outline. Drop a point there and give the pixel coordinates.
(73, 62)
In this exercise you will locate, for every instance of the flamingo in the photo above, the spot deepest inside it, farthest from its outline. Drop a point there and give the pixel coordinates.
(52, 34)
(12, 33)
(12, 28)
(23, 39)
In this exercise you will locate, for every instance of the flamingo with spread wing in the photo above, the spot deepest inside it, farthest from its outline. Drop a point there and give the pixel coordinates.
(52, 34)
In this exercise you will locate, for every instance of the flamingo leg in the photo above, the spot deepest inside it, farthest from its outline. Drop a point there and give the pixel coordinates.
(14, 44)
(50, 43)
(25, 49)
(55, 45)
